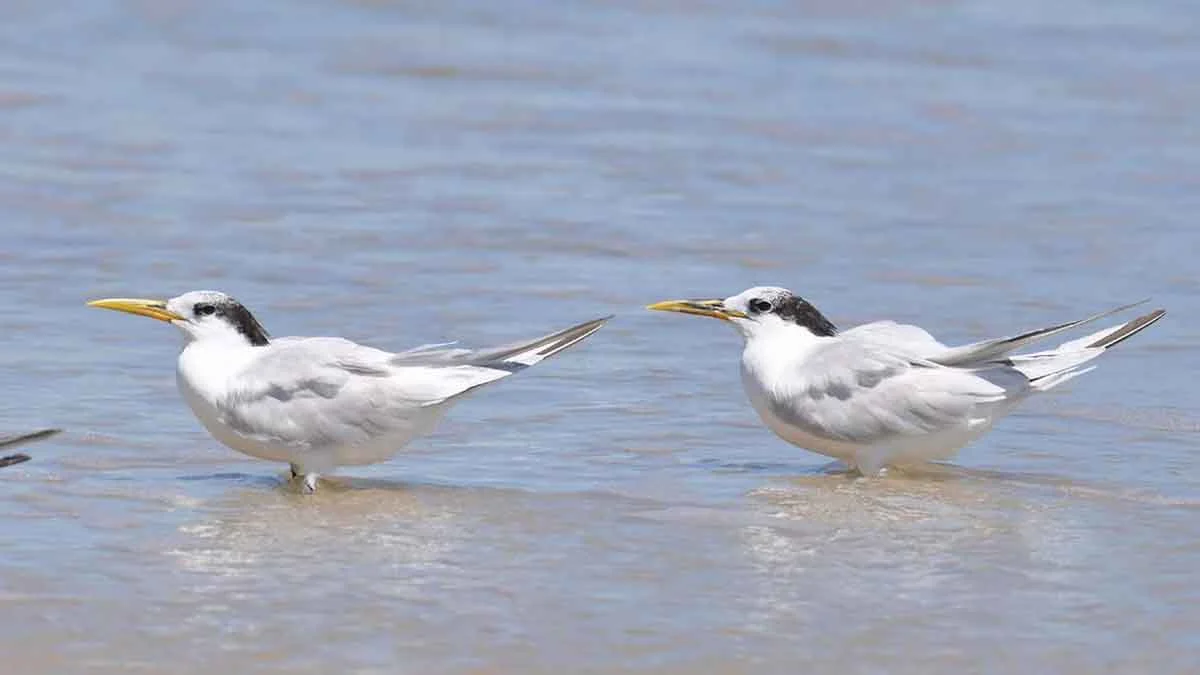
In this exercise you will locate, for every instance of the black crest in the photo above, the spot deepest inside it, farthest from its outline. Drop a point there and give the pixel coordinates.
(792, 308)
(244, 321)
(235, 314)
(801, 312)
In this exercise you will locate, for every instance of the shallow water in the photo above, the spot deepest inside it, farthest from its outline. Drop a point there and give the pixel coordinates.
(421, 172)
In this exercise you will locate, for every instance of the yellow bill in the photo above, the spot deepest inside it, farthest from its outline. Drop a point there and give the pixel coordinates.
(713, 308)
(155, 309)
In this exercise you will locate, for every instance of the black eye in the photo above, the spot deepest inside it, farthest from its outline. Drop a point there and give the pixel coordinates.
(758, 306)
(204, 309)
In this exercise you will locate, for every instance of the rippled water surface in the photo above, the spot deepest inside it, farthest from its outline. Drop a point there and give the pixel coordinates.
(403, 173)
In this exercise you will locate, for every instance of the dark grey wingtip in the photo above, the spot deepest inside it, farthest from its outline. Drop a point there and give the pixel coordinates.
(28, 438)
(1130, 329)
(566, 338)
(520, 356)
(9, 460)
(991, 349)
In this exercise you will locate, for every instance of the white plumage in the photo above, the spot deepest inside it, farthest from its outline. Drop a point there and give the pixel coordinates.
(885, 393)
(318, 403)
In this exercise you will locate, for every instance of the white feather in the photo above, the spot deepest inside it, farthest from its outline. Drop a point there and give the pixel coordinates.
(886, 393)
(319, 402)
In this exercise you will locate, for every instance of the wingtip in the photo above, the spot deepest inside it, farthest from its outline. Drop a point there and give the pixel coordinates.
(1131, 305)
(590, 327)
(596, 323)
(1131, 328)
(1154, 316)
(586, 328)
(9, 460)
(28, 438)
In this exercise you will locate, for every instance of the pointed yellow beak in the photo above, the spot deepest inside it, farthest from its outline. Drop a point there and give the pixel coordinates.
(155, 309)
(714, 308)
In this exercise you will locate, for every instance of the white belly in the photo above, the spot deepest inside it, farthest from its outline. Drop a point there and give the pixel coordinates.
(795, 435)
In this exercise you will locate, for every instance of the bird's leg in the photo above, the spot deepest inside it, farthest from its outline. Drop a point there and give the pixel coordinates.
(871, 462)
(309, 477)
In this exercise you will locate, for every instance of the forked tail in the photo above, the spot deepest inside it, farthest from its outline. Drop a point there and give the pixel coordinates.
(520, 356)
(1049, 369)
(462, 370)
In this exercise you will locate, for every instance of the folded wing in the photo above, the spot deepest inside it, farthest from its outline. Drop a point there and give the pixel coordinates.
(864, 393)
(314, 392)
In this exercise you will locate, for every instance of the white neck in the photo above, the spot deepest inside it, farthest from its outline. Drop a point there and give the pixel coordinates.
(774, 348)
(205, 366)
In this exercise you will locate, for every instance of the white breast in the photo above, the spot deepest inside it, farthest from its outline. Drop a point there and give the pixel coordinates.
(788, 432)
(202, 374)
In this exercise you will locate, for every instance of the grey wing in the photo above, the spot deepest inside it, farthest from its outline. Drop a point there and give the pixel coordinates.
(899, 337)
(509, 358)
(311, 392)
(317, 392)
(853, 391)
(470, 369)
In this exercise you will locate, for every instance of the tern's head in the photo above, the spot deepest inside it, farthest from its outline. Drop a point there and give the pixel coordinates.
(758, 310)
(201, 315)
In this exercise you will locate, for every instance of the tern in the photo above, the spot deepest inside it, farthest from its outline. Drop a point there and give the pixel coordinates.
(13, 441)
(884, 393)
(318, 403)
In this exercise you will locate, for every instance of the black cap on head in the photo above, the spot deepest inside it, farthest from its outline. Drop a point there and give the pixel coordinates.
(791, 308)
(206, 304)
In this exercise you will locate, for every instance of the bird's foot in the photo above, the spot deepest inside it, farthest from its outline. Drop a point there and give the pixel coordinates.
(309, 479)
(871, 464)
